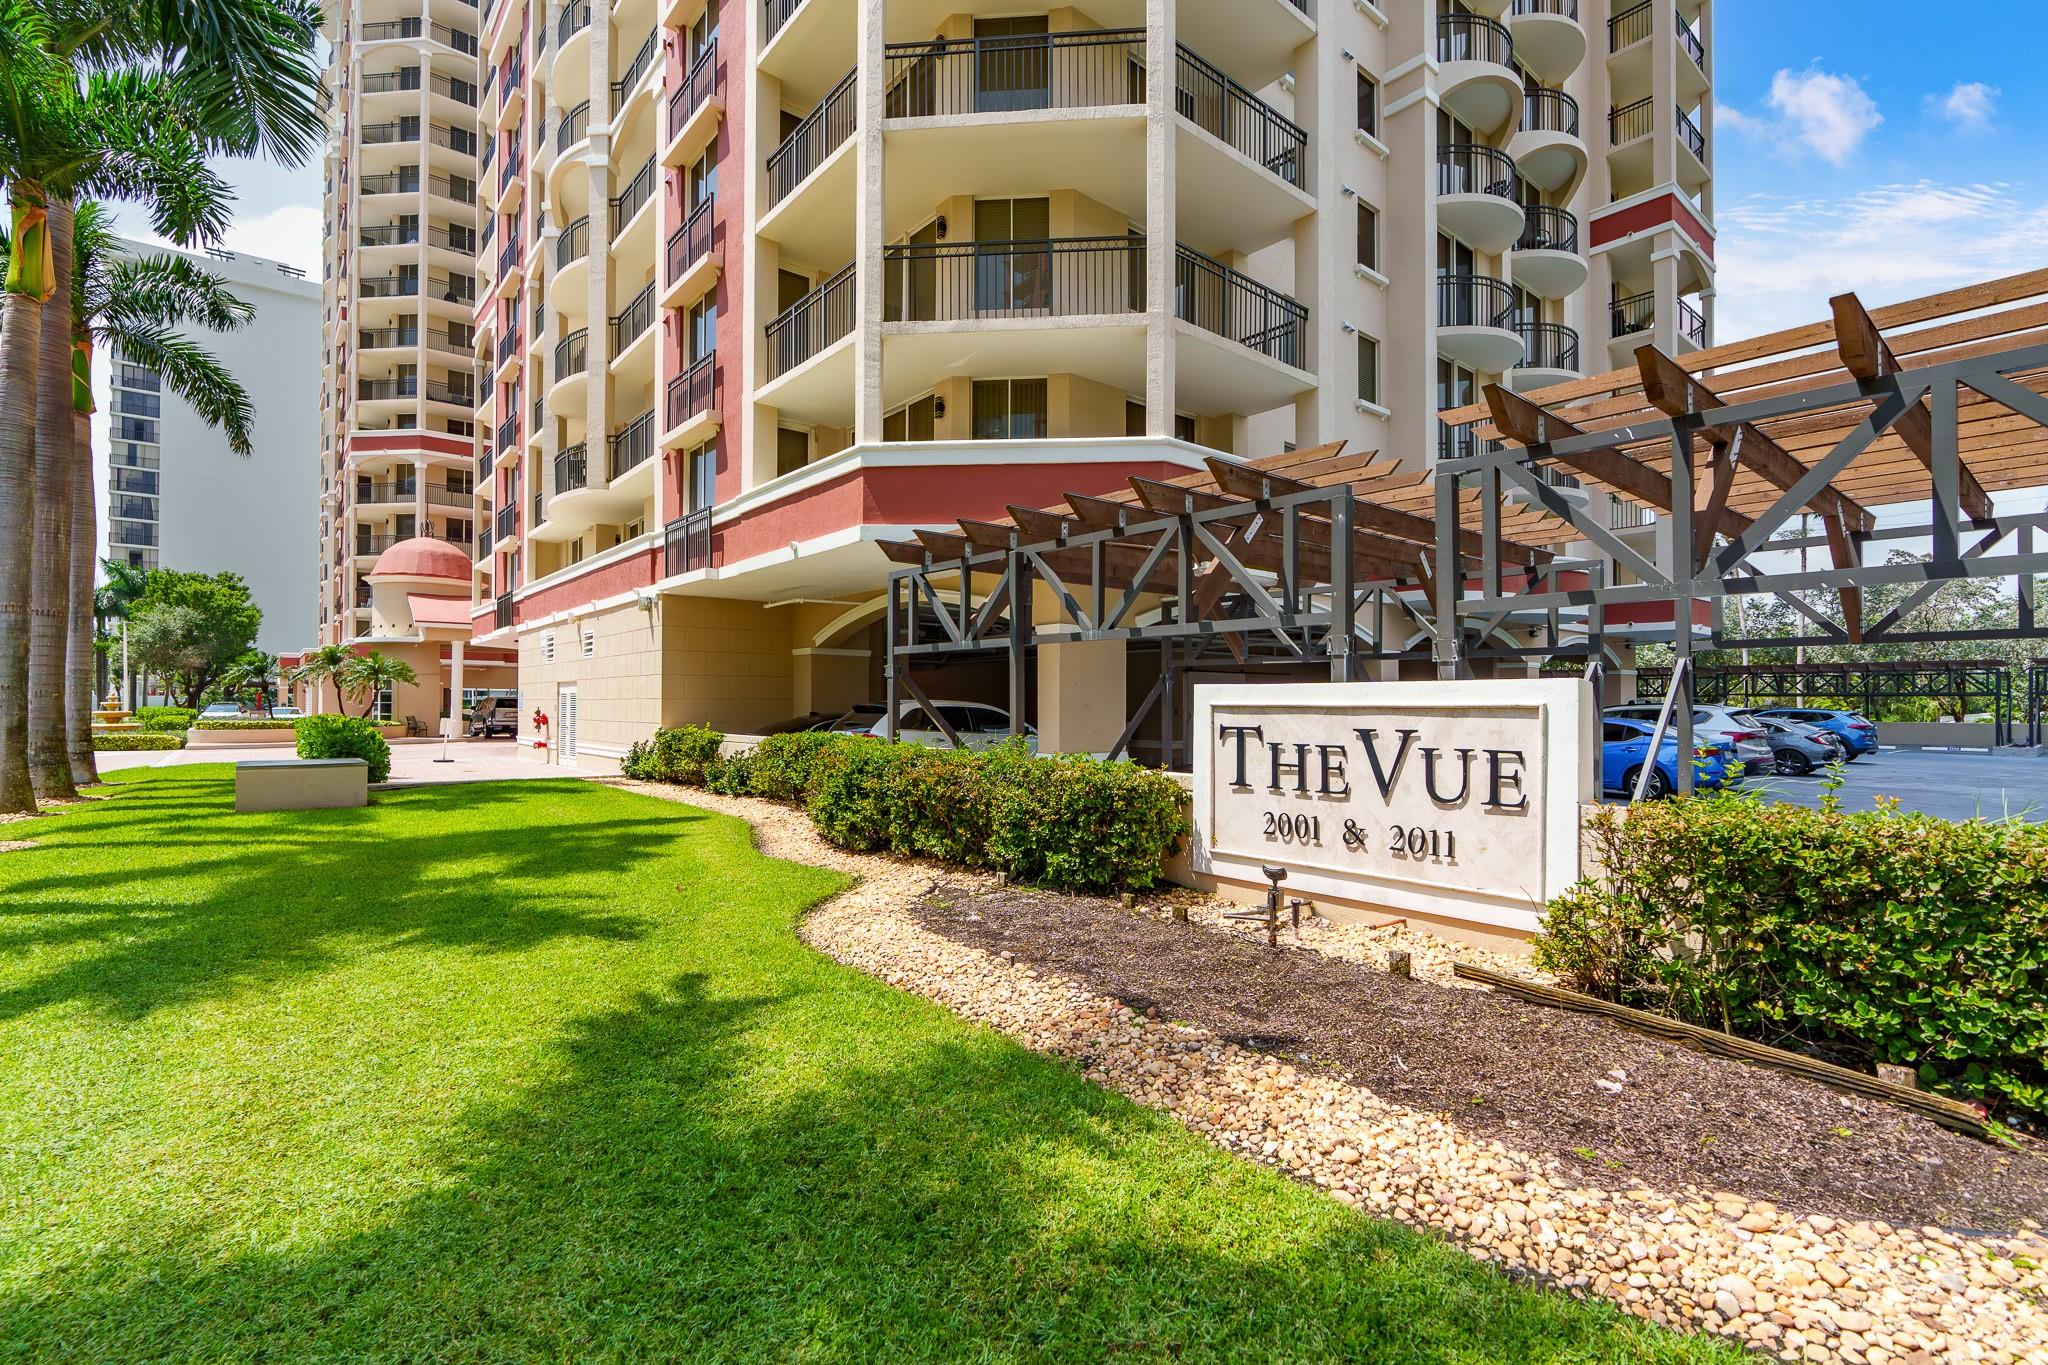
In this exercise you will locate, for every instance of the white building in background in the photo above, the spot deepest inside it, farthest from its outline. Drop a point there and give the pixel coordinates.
(179, 498)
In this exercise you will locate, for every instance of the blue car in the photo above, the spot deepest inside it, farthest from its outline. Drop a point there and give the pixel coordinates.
(1858, 735)
(1624, 746)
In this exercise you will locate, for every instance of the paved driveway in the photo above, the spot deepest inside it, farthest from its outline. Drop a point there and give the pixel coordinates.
(1955, 785)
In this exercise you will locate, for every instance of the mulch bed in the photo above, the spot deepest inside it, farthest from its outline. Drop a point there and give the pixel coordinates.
(1619, 1107)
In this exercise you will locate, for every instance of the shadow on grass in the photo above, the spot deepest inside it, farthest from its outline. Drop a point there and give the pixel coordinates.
(191, 899)
(896, 1188)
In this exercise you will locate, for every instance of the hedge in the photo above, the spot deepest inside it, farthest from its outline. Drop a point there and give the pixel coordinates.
(125, 741)
(345, 737)
(1073, 822)
(246, 723)
(1879, 936)
(165, 719)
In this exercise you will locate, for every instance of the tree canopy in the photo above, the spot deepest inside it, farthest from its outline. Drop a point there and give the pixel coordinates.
(191, 628)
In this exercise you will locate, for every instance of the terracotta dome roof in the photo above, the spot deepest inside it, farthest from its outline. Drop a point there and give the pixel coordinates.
(423, 557)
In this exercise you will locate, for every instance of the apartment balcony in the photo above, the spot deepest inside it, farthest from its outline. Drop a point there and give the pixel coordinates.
(505, 534)
(1550, 355)
(511, 89)
(452, 395)
(565, 287)
(403, 389)
(1239, 345)
(1477, 80)
(632, 338)
(1255, 41)
(484, 460)
(634, 76)
(810, 184)
(483, 547)
(368, 547)
(689, 266)
(1546, 259)
(632, 214)
(1631, 48)
(386, 493)
(1631, 152)
(440, 495)
(690, 413)
(569, 74)
(631, 449)
(508, 430)
(387, 339)
(1475, 322)
(1549, 150)
(1548, 38)
(1632, 322)
(805, 46)
(686, 544)
(810, 354)
(1478, 196)
(694, 110)
(1241, 165)
(572, 354)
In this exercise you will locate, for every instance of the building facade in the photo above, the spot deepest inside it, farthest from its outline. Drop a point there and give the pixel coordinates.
(766, 281)
(179, 498)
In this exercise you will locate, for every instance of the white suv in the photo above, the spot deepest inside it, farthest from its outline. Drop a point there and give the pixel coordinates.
(979, 726)
(1723, 725)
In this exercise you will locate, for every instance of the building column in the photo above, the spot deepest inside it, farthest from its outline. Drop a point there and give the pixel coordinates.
(869, 230)
(455, 711)
(1321, 253)
(1081, 695)
(1161, 226)
(419, 497)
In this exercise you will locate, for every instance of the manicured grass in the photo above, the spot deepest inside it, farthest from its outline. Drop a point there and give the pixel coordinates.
(539, 1069)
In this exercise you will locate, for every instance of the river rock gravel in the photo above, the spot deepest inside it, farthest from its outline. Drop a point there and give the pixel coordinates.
(1798, 1287)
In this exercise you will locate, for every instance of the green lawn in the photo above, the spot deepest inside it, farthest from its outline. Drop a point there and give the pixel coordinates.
(539, 1070)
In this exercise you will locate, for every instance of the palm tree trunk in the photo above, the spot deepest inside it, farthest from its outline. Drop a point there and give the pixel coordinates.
(21, 330)
(49, 748)
(81, 660)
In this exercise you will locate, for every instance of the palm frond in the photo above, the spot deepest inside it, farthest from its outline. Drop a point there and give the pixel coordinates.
(166, 289)
(194, 374)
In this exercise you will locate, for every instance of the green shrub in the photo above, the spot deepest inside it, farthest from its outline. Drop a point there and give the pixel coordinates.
(246, 723)
(678, 755)
(165, 719)
(785, 766)
(125, 741)
(1077, 821)
(1870, 937)
(346, 737)
(730, 776)
(854, 788)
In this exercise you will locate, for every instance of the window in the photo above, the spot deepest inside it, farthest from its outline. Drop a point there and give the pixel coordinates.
(703, 333)
(703, 476)
(547, 646)
(1134, 417)
(1368, 370)
(576, 550)
(1184, 428)
(792, 450)
(1009, 409)
(1368, 105)
(1368, 236)
(461, 481)
(589, 642)
(916, 420)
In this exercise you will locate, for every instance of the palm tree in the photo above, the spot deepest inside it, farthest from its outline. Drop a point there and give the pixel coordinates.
(135, 302)
(111, 601)
(255, 672)
(319, 666)
(365, 675)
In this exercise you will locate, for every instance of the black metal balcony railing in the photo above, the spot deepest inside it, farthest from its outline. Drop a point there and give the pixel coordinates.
(507, 527)
(387, 338)
(572, 469)
(461, 140)
(574, 243)
(461, 91)
(508, 430)
(817, 137)
(406, 181)
(1047, 277)
(639, 190)
(1009, 74)
(1474, 168)
(1689, 43)
(1629, 27)
(382, 492)
(1635, 313)
(778, 13)
(1459, 443)
(385, 30)
(508, 257)
(1549, 345)
(483, 544)
(384, 82)
(633, 445)
(629, 79)
(1689, 133)
(389, 234)
(538, 414)
(1550, 111)
(1471, 38)
(490, 156)
(453, 288)
(693, 391)
(483, 466)
(508, 345)
(1568, 9)
(442, 391)
(1474, 301)
(1545, 228)
(440, 495)
(811, 324)
(374, 545)
(691, 242)
(574, 125)
(387, 390)
(633, 320)
(1232, 114)
(697, 87)
(686, 544)
(1630, 122)
(514, 163)
(1231, 304)
(457, 238)
(1692, 324)
(572, 353)
(459, 39)
(575, 18)
(397, 130)
(502, 609)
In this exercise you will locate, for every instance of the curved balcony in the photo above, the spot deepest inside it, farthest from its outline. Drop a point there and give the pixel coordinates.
(1550, 355)
(1548, 150)
(1546, 260)
(1548, 38)
(1475, 322)
(569, 76)
(570, 354)
(572, 470)
(1477, 80)
(566, 292)
(1478, 196)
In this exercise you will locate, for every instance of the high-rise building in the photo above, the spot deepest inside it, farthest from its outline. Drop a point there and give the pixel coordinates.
(399, 278)
(178, 497)
(766, 281)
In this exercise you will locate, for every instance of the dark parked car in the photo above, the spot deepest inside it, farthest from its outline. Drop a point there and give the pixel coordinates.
(1800, 748)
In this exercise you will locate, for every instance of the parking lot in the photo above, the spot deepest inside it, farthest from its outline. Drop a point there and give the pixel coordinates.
(1953, 784)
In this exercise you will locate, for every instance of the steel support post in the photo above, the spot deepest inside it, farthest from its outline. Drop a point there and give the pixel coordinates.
(1449, 571)
(892, 695)
(1685, 569)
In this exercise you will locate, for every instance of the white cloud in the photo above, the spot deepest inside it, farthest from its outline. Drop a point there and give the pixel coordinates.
(1780, 258)
(1970, 105)
(1827, 114)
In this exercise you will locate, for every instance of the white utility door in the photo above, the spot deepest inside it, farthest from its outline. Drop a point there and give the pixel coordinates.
(565, 726)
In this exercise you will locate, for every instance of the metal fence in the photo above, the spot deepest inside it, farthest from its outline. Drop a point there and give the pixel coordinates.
(1047, 277)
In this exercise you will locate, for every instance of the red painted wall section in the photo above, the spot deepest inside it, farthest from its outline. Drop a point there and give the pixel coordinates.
(411, 443)
(636, 571)
(1651, 213)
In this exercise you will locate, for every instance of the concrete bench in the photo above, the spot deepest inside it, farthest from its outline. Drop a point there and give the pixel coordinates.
(263, 784)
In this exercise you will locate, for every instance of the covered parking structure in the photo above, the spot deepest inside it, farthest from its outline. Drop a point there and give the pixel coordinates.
(1925, 409)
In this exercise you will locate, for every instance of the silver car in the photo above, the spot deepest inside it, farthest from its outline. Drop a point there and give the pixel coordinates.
(978, 726)
(1735, 730)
